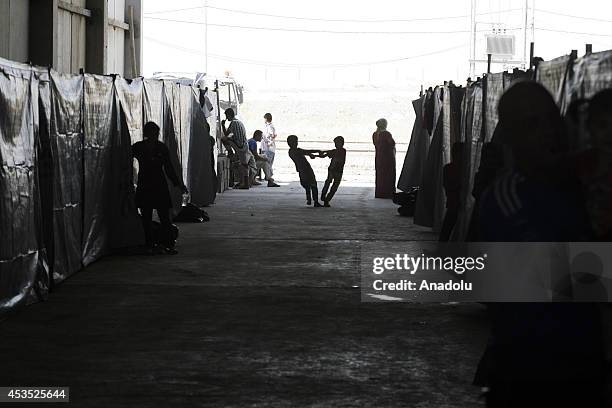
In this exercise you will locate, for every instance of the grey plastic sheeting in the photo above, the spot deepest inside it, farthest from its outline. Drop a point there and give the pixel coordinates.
(186, 104)
(431, 201)
(176, 110)
(589, 75)
(127, 227)
(414, 163)
(471, 135)
(99, 123)
(552, 75)
(154, 101)
(199, 178)
(172, 138)
(67, 154)
(45, 161)
(494, 91)
(425, 213)
(23, 271)
(67, 173)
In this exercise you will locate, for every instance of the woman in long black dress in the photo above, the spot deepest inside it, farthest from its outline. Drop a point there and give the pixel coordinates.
(385, 160)
(152, 191)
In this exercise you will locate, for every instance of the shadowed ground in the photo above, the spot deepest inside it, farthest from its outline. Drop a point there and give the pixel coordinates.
(260, 308)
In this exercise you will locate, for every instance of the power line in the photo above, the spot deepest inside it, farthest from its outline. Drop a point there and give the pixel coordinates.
(288, 65)
(337, 20)
(552, 30)
(554, 13)
(175, 10)
(316, 31)
(332, 20)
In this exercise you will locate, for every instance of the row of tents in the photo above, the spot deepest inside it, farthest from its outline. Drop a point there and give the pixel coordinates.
(67, 173)
(449, 114)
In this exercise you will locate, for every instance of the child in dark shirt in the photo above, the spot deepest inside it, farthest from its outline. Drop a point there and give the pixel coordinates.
(307, 176)
(334, 172)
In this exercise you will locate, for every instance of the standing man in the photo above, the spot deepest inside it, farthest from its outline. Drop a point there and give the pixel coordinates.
(235, 134)
(268, 141)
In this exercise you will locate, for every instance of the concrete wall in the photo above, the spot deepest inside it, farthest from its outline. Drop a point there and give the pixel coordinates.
(14, 23)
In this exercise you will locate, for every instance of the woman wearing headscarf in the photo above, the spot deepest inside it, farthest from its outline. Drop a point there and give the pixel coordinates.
(385, 160)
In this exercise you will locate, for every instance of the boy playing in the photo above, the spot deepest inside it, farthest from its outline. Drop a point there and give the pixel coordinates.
(307, 176)
(334, 172)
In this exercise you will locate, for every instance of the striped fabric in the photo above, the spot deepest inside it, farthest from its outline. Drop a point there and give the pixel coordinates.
(237, 133)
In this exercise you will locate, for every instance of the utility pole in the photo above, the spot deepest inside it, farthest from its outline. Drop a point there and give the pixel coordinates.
(206, 36)
(525, 34)
(473, 39)
(533, 13)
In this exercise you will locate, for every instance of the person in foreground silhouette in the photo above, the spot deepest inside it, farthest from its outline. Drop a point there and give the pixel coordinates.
(385, 160)
(334, 171)
(307, 176)
(152, 191)
(539, 354)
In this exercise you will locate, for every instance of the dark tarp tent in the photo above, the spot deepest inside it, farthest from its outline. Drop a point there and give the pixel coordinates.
(67, 155)
(588, 76)
(154, 102)
(494, 89)
(431, 201)
(127, 227)
(552, 75)
(98, 121)
(416, 156)
(478, 123)
(200, 169)
(172, 137)
(472, 136)
(424, 213)
(23, 268)
(45, 162)
(67, 173)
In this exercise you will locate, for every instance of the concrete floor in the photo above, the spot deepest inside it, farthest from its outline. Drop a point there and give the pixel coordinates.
(260, 308)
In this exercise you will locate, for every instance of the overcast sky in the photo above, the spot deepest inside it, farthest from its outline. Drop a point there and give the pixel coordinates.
(431, 47)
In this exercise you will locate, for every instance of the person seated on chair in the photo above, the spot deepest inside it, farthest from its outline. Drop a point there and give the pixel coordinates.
(262, 162)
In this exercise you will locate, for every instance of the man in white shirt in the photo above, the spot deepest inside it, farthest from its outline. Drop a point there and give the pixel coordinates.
(268, 141)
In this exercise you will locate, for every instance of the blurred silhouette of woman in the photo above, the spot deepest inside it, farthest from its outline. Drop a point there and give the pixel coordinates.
(152, 192)
(385, 160)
